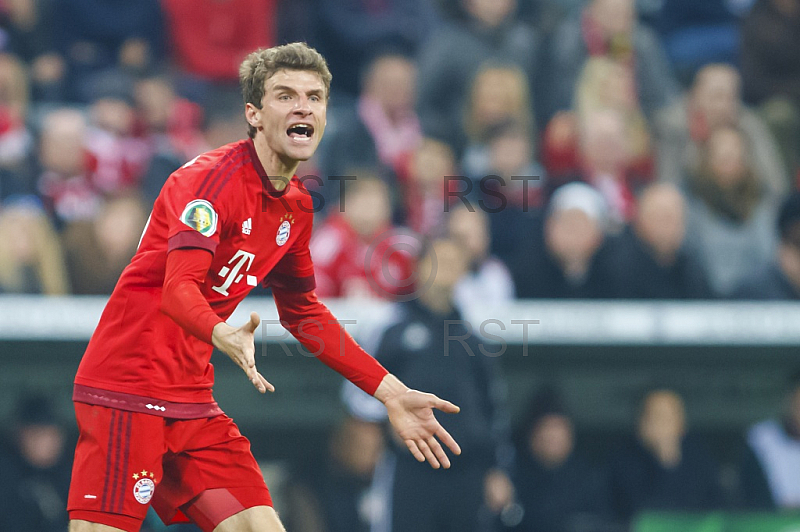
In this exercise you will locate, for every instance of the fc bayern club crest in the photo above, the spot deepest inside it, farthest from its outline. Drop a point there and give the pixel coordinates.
(143, 490)
(283, 233)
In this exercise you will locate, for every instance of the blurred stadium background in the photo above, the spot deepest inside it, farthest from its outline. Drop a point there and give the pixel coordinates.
(633, 166)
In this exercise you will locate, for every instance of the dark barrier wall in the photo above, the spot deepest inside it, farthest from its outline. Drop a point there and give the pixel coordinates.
(725, 387)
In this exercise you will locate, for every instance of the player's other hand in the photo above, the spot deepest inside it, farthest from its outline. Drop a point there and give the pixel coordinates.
(411, 415)
(239, 344)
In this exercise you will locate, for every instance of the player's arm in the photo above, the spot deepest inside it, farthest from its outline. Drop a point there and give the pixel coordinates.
(183, 301)
(410, 411)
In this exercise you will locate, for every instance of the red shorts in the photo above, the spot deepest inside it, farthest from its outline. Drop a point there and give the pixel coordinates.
(197, 468)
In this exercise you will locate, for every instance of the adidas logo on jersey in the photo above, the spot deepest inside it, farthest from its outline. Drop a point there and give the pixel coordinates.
(247, 226)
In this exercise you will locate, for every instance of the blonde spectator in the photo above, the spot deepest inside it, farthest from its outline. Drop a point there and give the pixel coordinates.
(604, 28)
(606, 83)
(98, 250)
(31, 260)
(14, 90)
(487, 30)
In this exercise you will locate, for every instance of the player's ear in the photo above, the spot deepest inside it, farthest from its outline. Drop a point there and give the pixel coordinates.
(252, 114)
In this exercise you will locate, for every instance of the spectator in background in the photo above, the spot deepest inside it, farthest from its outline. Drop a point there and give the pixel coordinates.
(770, 61)
(97, 250)
(487, 281)
(731, 212)
(337, 496)
(512, 189)
(566, 258)
(117, 158)
(107, 43)
(604, 28)
(65, 183)
(16, 141)
(651, 260)
(498, 95)
(486, 31)
(698, 33)
(663, 469)
(171, 128)
(714, 101)
(557, 489)
(350, 33)
(771, 466)
(384, 128)
(423, 195)
(780, 279)
(31, 260)
(419, 349)
(604, 84)
(28, 32)
(357, 252)
(160, 111)
(386, 108)
(605, 159)
(36, 470)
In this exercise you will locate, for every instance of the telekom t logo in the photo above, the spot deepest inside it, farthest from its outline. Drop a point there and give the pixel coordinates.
(231, 272)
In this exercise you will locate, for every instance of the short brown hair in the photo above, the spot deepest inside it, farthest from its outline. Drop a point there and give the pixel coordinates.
(262, 64)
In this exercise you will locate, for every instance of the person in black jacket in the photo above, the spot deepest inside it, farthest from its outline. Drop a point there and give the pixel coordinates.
(36, 470)
(567, 255)
(429, 343)
(651, 262)
(662, 468)
(556, 489)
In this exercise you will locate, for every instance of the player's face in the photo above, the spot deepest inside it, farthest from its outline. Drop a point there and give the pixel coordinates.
(293, 113)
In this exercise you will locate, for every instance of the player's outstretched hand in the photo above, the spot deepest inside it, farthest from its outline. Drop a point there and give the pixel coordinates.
(239, 344)
(411, 415)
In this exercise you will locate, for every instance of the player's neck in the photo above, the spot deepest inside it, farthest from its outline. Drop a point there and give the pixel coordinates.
(279, 170)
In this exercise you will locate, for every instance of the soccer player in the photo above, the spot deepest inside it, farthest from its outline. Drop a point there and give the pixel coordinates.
(150, 431)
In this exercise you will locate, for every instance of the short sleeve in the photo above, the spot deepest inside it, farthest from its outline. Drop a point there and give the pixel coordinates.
(295, 271)
(193, 221)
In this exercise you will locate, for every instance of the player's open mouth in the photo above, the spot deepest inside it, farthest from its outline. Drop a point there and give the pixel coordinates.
(301, 132)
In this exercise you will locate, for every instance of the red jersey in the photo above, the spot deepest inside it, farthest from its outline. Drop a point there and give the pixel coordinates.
(207, 36)
(139, 358)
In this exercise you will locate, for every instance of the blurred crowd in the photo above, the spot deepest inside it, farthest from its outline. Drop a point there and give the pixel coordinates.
(579, 149)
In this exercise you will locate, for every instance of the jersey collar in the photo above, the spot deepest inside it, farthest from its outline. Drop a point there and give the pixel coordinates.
(268, 187)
